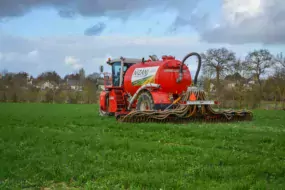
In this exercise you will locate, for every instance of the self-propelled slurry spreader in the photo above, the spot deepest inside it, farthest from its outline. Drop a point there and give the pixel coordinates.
(156, 90)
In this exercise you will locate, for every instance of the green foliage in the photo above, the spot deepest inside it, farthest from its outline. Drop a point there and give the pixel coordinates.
(15, 98)
(70, 146)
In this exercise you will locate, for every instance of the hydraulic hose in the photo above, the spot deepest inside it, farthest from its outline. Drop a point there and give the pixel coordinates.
(183, 62)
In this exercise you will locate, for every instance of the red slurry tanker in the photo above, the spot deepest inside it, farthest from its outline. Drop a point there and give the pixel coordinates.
(158, 91)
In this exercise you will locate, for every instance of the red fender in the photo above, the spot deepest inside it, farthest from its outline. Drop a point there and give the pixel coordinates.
(160, 97)
(103, 105)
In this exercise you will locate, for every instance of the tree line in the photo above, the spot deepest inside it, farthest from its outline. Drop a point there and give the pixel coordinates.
(49, 87)
(256, 80)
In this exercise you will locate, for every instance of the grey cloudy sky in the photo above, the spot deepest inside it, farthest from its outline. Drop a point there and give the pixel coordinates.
(41, 35)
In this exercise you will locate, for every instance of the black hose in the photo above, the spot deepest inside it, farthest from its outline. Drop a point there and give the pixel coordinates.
(198, 69)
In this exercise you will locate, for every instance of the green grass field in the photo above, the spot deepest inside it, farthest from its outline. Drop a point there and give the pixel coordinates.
(71, 146)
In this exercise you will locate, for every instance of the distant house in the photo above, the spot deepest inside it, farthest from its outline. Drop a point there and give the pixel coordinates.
(236, 79)
(47, 85)
(94, 76)
(230, 84)
(30, 80)
(74, 84)
(212, 87)
(100, 83)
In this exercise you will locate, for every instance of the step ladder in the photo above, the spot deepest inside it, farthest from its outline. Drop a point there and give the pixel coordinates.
(121, 103)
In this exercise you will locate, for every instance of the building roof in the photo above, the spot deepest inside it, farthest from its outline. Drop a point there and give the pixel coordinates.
(72, 82)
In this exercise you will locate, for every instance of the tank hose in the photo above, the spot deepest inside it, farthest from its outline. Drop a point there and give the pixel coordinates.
(183, 62)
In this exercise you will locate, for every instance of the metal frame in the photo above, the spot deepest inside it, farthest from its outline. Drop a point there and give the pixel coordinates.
(200, 102)
(122, 71)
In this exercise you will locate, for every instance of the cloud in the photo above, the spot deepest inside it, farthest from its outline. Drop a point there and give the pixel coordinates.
(95, 30)
(196, 21)
(248, 21)
(70, 60)
(33, 54)
(66, 13)
(65, 54)
(21, 61)
(149, 30)
(123, 9)
(88, 8)
(73, 62)
(242, 21)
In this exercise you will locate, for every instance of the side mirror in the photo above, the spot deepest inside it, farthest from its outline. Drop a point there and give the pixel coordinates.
(101, 68)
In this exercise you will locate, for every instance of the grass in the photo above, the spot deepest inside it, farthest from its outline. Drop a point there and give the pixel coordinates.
(70, 146)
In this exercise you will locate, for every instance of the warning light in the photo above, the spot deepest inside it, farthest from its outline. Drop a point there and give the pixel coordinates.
(192, 97)
(216, 102)
(109, 60)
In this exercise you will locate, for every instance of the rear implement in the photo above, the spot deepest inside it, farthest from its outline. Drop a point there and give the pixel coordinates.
(186, 111)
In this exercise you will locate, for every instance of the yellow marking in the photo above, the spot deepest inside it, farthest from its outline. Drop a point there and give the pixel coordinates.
(150, 80)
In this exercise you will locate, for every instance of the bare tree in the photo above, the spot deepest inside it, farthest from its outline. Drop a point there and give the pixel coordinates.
(259, 61)
(240, 74)
(82, 76)
(280, 76)
(279, 80)
(4, 72)
(90, 89)
(240, 66)
(280, 59)
(218, 61)
(49, 76)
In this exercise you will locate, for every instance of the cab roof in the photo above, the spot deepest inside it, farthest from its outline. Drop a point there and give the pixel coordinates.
(127, 60)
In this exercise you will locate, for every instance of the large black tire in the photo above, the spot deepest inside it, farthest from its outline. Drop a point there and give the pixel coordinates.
(103, 113)
(145, 102)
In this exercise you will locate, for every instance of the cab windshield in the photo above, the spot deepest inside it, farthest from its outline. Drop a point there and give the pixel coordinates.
(116, 70)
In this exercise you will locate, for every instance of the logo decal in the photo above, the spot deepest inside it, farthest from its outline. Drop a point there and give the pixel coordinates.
(142, 76)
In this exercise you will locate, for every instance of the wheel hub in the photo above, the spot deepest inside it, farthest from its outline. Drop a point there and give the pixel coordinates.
(144, 106)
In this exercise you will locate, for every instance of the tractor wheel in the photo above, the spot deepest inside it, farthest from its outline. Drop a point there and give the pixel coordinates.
(103, 113)
(145, 102)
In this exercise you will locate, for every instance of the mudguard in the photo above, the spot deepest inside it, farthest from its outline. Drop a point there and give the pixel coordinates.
(103, 97)
(160, 97)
